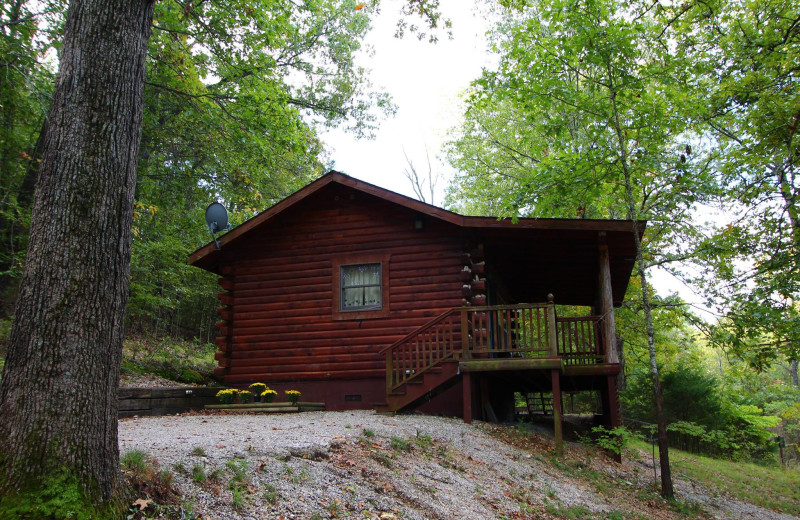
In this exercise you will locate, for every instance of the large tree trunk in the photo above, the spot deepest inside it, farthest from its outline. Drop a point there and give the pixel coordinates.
(58, 396)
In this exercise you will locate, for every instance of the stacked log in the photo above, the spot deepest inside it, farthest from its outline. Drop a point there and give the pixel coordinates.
(473, 276)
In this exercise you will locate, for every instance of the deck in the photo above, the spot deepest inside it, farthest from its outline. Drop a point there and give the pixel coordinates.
(526, 347)
(500, 338)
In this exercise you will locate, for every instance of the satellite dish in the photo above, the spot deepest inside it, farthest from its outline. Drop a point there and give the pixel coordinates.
(217, 219)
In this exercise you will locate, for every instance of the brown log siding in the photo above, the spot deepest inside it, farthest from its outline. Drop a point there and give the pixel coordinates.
(281, 324)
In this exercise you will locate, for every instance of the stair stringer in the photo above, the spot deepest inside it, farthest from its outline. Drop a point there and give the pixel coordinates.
(420, 390)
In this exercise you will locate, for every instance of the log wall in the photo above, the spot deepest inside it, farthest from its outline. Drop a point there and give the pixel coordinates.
(278, 323)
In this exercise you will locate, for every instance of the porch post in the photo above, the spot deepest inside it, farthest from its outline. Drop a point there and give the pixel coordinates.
(609, 329)
(466, 395)
(557, 425)
(552, 333)
(611, 410)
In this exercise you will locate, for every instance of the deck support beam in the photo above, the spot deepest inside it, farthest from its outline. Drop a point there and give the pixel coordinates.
(466, 384)
(557, 421)
(614, 415)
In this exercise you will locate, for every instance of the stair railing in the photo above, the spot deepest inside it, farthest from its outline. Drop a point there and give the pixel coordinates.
(423, 349)
(527, 330)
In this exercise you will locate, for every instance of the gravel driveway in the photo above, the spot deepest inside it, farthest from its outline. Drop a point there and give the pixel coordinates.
(362, 465)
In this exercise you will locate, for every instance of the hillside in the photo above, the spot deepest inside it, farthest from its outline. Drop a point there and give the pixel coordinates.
(362, 465)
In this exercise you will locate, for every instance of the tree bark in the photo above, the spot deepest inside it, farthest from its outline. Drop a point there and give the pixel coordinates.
(58, 395)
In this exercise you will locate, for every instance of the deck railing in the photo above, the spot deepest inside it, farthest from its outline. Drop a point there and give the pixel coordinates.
(508, 331)
(579, 340)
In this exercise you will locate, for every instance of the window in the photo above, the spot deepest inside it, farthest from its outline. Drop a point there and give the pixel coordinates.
(360, 285)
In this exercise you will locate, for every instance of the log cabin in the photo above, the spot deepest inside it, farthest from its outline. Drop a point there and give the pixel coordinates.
(363, 298)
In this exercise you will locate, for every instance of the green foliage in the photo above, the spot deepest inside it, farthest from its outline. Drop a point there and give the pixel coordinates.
(57, 496)
(614, 440)
(700, 417)
(235, 96)
(744, 55)
(172, 358)
(25, 92)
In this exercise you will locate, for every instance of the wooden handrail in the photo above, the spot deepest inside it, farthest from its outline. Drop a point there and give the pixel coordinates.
(529, 330)
(422, 329)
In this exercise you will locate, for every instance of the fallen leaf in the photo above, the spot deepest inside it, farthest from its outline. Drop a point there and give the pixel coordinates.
(142, 503)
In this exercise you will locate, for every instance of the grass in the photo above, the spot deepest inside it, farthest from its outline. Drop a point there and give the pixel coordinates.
(772, 488)
(400, 444)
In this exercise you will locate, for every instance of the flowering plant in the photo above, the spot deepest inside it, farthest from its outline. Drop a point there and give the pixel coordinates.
(258, 388)
(227, 396)
(244, 396)
(293, 396)
(268, 395)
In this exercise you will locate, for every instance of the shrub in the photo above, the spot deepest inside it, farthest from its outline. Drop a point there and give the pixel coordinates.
(268, 395)
(245, 396)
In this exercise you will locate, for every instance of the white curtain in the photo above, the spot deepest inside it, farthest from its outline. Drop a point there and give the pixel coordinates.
(361, 286)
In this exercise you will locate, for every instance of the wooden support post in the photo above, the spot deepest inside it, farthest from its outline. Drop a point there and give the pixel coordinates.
(557, 424)
(614, 414)
(552, 333)
(466, 384)
(465, 343)
(609, 329)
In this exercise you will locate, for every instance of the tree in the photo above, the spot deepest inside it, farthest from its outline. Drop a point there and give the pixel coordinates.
(596, 129)
(59, 457)
(66, 340)
(745, 56)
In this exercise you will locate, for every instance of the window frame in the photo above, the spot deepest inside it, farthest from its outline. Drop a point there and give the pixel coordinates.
(360, 313)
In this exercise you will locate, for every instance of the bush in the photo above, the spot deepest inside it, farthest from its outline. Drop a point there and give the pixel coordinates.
(700, 418)
(245, 396)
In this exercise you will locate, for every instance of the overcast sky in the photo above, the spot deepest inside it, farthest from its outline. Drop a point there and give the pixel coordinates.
(425, 81)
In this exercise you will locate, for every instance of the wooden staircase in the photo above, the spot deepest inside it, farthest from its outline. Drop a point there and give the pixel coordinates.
(419, 390)
(427, 361)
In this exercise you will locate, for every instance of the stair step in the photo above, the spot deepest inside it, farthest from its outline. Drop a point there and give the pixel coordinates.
(415, 381)
(397, 392)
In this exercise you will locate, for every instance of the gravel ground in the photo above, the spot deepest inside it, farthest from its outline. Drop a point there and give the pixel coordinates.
(363, 465)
